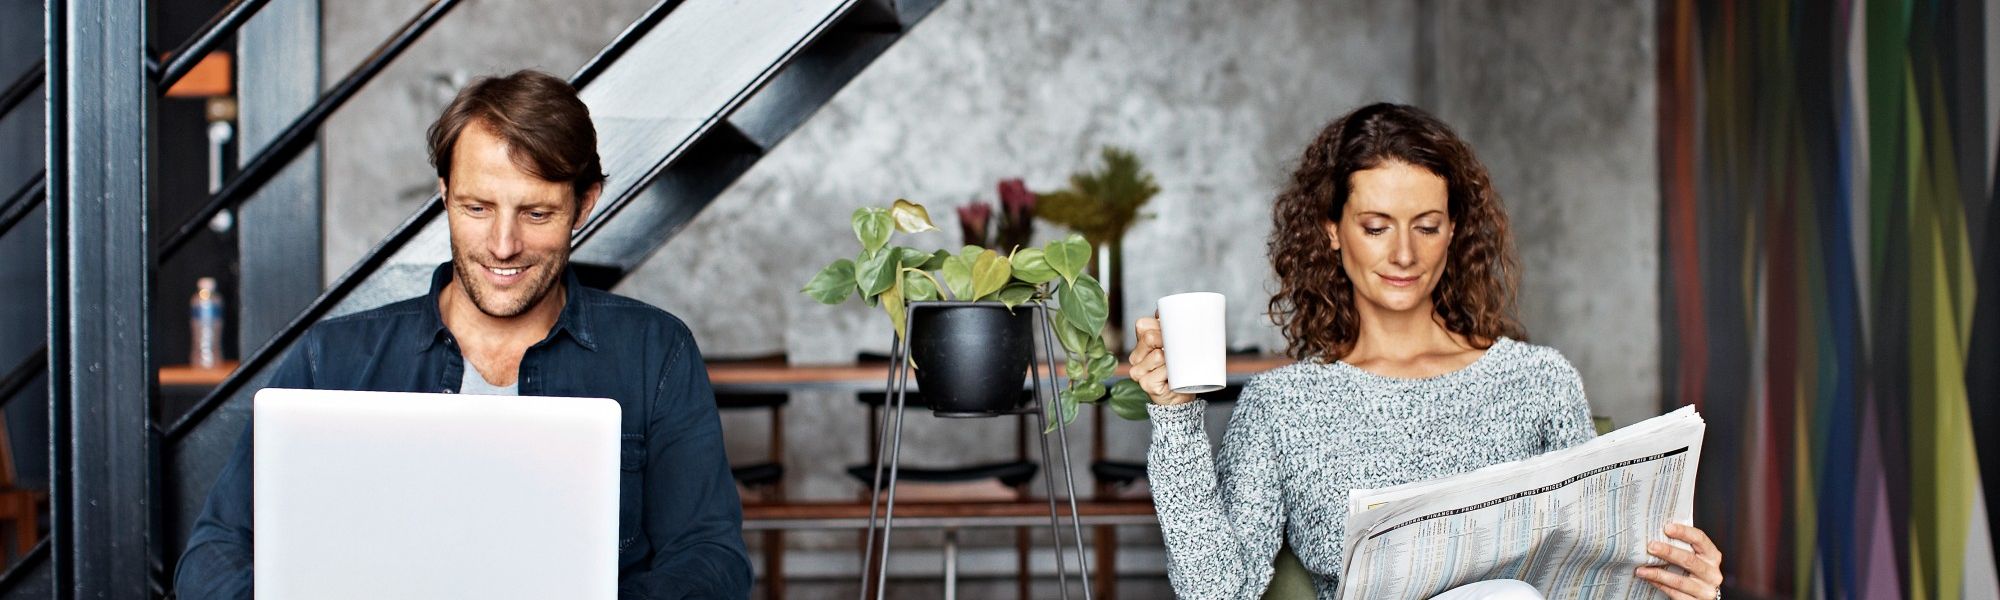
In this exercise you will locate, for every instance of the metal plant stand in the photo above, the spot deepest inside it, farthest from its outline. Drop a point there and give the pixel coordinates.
(898, 384)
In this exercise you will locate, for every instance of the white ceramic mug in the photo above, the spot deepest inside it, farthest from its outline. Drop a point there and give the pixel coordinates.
(1191, 330)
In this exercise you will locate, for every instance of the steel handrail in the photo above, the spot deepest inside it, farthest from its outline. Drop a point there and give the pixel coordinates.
(220, 27)
(299, 135)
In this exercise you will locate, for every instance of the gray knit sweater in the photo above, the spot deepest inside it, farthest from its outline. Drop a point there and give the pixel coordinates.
(1305, 434)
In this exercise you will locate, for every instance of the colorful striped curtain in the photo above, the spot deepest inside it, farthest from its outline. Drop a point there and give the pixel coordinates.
(1829, 289)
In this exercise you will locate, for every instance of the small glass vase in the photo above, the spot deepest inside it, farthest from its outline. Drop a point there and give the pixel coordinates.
(1109, 269)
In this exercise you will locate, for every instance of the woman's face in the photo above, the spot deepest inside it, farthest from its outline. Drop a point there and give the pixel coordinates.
(1393, 237)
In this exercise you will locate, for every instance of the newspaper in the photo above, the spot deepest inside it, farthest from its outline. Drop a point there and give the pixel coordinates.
(1574, 523)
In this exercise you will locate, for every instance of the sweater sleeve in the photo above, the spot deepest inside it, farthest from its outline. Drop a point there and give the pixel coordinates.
(1222, 516)
(1568, 422)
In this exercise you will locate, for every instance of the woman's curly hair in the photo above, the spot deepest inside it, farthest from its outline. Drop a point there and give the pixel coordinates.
(1315, 300)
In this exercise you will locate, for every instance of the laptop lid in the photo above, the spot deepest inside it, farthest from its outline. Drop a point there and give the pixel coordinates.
(390, 495)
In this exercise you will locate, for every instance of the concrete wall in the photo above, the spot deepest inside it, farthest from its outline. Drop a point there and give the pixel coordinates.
(377, 167)
(1561, 104)
(1217, 98)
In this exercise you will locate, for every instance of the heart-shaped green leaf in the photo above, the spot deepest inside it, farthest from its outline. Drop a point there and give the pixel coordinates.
(833, 284)
(936, 261)
(1084, 305)
(1129, 400)
(1102, 365)
(957, 273)
(1087, 391)
(918, 286)
(892, 303)
(1016, 294)
(1073, 341)
(871, 226)
(989, 274)
(875, 271)
(1068, 256)
(911, 257)
(1032, 265)
(1063, 412)
(911, 217)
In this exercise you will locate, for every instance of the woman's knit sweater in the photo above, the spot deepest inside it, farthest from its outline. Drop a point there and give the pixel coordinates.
(1305, 434)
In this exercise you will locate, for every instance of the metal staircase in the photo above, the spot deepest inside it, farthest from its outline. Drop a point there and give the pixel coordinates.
(685, 100)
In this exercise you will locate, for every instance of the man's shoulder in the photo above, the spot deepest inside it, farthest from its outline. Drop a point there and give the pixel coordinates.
(401, 315)
(611, 310)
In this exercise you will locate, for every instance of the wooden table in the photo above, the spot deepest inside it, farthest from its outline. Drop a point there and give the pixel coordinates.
(766, 375)
(938, 515)
(772, 375)
(193, 376)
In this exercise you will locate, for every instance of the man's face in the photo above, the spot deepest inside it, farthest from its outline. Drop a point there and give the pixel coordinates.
(510, 230)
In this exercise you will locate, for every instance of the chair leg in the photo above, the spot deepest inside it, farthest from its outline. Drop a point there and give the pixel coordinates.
(774, 564)
(1106, 539)
(1025, 576)
(25, 534)
(873, 554)
(951, 564)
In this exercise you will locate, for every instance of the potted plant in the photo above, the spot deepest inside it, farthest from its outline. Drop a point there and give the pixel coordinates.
(1102, 205)
(971, 358)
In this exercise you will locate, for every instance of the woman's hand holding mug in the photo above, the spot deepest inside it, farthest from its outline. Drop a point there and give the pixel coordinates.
(1149, 364)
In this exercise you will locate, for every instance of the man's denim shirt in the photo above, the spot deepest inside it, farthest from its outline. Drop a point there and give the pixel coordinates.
(679, 521)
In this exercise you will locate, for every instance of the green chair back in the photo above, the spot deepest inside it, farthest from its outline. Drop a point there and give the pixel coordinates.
(1289, 579)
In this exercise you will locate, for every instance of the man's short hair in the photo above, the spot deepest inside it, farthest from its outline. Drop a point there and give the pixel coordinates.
(547, 128)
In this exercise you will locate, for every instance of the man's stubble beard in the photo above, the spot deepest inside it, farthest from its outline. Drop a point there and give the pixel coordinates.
(472, 279)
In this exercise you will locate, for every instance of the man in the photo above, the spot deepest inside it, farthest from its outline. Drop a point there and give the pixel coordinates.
(517, 165)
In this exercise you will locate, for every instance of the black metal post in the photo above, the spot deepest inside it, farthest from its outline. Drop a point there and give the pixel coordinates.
(1041, 408)
(899, 367)
(1069, 478)
(881, 458)
(892, 435)
(99, 372)
(1055, 412)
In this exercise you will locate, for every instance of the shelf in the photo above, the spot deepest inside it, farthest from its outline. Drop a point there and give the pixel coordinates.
(191, 376)
(772, 374)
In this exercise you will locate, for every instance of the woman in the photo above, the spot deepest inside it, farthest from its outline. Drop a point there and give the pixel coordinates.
(1396, 282)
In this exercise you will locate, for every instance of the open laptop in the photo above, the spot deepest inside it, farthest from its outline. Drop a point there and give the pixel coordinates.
(386, 495)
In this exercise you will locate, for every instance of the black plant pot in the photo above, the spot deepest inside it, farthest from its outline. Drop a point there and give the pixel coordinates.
(971, 359)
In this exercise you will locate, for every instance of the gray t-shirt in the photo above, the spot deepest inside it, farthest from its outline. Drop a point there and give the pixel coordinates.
(474, 383)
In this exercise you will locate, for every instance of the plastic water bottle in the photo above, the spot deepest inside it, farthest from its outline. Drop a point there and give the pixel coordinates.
(206, 350)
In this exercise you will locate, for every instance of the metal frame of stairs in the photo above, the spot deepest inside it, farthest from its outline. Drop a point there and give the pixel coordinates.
(128, 490)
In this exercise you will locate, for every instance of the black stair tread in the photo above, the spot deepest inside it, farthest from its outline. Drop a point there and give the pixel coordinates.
(758, 474)
(1010, 473)
(1117, 472)
(751, 401)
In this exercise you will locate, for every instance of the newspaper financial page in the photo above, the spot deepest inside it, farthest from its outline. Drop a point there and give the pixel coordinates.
(1574, 523)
